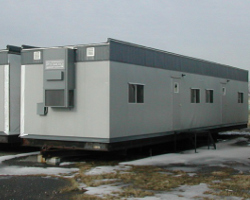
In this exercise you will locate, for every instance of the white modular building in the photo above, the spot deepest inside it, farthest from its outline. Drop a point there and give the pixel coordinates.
(10, 73)
(117, 95)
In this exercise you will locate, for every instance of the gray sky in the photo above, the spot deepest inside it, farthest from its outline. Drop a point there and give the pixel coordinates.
(215, 30)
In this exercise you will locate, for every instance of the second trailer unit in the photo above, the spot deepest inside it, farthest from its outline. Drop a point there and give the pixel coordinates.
(10, 73)
(118, 95)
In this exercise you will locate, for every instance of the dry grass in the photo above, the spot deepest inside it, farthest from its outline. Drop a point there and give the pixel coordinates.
(73, 186)
(236, 185)
(87, 197)
(129, 192)
(144, 181)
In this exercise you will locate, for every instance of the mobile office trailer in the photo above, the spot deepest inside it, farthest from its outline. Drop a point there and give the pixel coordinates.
(10, 73)
(118, 95)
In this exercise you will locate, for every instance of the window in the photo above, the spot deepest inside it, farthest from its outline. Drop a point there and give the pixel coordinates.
(176, 87)
(90, 51)
(135, 93)
(195, 96)
(224, 91)
(240, 97)
(209, 96)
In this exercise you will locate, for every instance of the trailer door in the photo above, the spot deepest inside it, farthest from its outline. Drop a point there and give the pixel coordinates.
(176, 114)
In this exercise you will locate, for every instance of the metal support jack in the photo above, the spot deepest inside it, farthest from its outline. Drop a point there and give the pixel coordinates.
(209, 140)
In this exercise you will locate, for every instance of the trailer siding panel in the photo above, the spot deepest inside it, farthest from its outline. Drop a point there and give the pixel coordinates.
(1, 98)
(132, 54)
(89, 118)
(28, 56)
(155, 115)
(3, 58)
(15, 76)
(101, 53)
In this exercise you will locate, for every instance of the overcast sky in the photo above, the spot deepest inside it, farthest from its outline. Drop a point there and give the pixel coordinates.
(215, 30)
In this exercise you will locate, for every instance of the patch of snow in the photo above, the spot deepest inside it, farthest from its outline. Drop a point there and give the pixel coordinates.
(216, 181)
(107, 169)
(23, 170)
(102, 190)
(226, 152)
(183, 192)
(235, 133)
(66, 163)
(19, 170)
(192, 174)
(3, 158)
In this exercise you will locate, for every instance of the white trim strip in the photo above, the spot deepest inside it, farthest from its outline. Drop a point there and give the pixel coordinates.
(6, 99)
(22, 100)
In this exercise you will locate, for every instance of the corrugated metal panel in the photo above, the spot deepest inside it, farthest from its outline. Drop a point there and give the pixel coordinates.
(101, 53)
(3, 58)
(139, 55)
(28, 57)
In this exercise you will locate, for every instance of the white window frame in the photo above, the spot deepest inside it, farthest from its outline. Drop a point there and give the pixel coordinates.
(224, 91)
(176, 89)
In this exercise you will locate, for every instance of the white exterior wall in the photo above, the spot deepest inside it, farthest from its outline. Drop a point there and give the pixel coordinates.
(2, 97)
(90, 116)
(5, 97)
(155, 115)
(14, 72)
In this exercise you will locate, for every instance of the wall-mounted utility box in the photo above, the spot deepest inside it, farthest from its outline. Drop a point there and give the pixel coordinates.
(59, 77)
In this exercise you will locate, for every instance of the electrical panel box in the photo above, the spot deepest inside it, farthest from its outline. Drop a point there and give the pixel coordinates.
(59, 77)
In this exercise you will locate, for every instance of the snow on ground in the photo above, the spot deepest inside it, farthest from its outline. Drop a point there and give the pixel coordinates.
(243, 133)
(106, 169)
(226, 152)
(3, 158)
(20, 170)
(230, 151)
(24, 170)
(102, 190)
(185, 192)
(67, 163)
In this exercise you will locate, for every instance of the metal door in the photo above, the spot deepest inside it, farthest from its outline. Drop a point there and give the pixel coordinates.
(176, 114)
